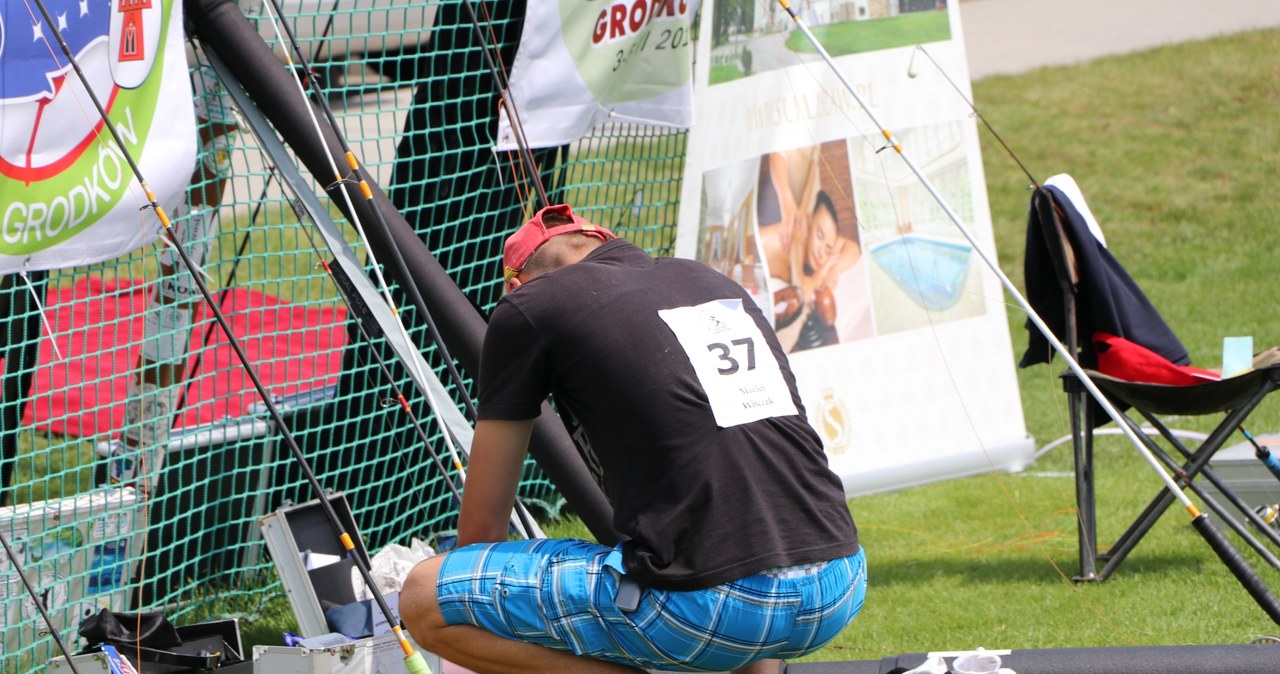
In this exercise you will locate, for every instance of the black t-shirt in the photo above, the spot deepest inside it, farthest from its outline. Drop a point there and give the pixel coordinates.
(701, 504)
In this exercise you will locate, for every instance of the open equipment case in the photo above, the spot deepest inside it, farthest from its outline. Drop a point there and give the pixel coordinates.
(294, 533)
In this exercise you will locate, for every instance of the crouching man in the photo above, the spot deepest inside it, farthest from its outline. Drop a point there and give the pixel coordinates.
(740, 550)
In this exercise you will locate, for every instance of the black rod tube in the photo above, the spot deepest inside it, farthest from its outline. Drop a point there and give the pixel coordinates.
(221, 26)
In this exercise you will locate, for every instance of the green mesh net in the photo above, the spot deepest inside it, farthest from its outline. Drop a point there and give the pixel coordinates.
(417, 102)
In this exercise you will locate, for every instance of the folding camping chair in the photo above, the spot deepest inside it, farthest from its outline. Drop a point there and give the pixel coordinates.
(1081, 292)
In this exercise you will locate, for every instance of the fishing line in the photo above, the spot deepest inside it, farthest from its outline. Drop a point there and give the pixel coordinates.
(864, 137)
(911, 72)
(1084, 598)
(414, 661)
(340, 183)
(505, 100)
(328, 111)
(1008, 495)
(1261, 453)
(361, 310)
(106, 122)
(1229, 556)
(349, 276)
(253, 217)
(357, 306)
(517, 170)
(357, 170)
(277, 22)
(893, 204)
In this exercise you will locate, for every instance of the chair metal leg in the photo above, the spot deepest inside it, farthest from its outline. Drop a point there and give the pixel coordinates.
(1082, 450)
(1226, 493)
(1185, 473)
(1139, 528)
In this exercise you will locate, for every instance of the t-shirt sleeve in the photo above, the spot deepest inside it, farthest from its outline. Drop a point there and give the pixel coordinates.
(513, 367)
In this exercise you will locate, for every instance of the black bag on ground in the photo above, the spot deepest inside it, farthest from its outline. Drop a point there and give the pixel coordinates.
(151, 638)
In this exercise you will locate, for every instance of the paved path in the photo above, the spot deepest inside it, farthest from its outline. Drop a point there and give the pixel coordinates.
(1005, 37)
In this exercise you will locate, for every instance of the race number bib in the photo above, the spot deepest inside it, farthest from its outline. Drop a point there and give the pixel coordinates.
(733, 362)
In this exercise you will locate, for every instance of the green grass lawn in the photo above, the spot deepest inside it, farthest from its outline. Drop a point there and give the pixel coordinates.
(856, 37)
(1176, 151)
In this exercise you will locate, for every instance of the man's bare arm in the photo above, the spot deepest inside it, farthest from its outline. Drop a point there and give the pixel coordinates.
(493, 474)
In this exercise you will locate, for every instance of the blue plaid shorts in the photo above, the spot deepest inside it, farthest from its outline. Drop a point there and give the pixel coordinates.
(560, 593)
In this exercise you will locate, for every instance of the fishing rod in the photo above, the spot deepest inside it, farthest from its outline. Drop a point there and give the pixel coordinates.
(340, 182)
(414, 661)
(276, 17)
(1266, 456)
(1216, 540)
(359, 294)
(253, 217)
(222, 26)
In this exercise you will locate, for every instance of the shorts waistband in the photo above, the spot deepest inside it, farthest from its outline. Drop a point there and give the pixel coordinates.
(797, 571)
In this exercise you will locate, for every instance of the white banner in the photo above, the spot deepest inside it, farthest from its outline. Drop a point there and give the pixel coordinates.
(581, 64)
(67, 192)
(896, 330)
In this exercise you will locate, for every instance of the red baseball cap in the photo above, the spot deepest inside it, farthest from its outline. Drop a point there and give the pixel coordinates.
(521, 245)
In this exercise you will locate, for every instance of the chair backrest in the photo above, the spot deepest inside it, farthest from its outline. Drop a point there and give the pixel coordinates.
(1051, 238)
(1046, 214)
(1078, 287)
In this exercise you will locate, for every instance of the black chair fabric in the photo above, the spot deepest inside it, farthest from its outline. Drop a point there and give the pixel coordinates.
(1062, 250)
(1195, 400)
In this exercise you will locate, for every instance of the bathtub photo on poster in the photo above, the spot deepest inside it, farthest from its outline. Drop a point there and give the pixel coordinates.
(751, 36)
(784, 225)
(923, 272)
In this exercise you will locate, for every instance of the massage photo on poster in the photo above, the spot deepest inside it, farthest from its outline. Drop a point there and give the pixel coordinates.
(837, 245)
(785, 227)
